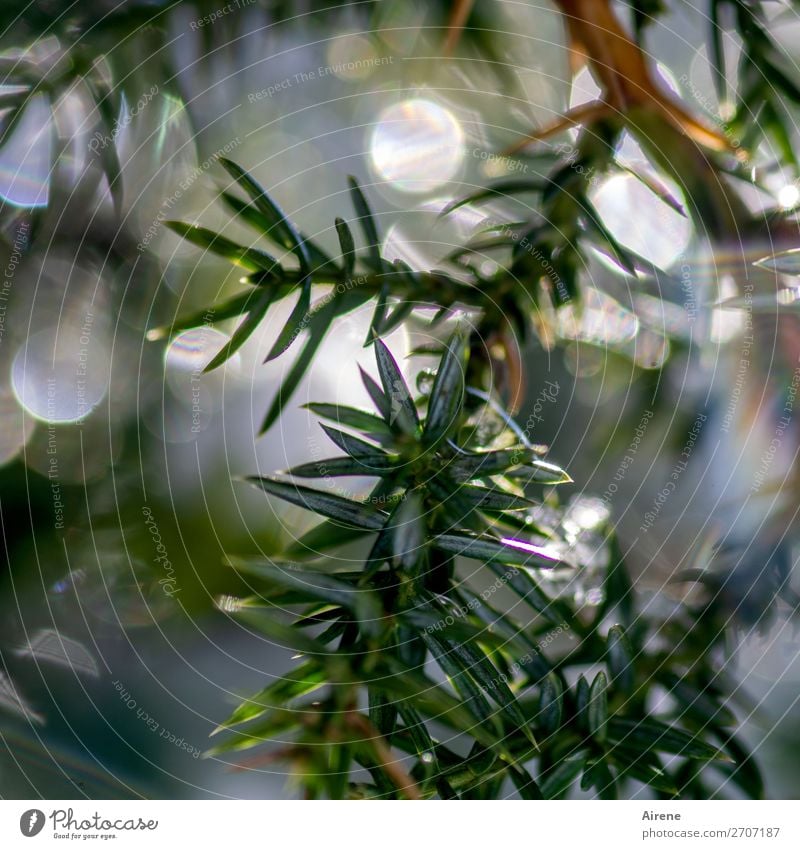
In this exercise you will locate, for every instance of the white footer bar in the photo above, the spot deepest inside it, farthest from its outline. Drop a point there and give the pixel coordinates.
(400, 825)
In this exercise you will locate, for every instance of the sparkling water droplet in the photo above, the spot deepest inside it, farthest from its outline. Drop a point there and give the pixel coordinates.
(425, 381)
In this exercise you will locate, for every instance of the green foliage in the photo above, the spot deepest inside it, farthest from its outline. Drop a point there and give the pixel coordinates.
(429, 677)
(766, 88)
(408, 671)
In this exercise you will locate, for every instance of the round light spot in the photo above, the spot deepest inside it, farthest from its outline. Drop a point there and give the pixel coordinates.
(352, 57)
(25, 158)
(191, 351)
(194, 395)
(417, 145)
(61, 373)
(656, 232)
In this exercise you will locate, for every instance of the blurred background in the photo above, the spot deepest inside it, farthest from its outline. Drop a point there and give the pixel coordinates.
(120, 490)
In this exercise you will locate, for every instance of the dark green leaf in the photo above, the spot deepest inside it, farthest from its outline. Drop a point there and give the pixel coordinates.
(325, 504)
(397, 316)
(11, 122)
(785, 262)
(380, 401)
(651, 734)
(539, 471)
(277, 723)
(423, 744)
(300, 681)
(380, 553)
(402, 411)
(561, 777)
(493, 684)
(249, 212)
(597, 774)
(597, 709)
(744, 770)
(109, 159)
(595, 224)
(335, 467)
(410, 686)
(347, 245)
(379, 313)
(617, 586)
(524, 783)
(281, 230)
(408, 532)
(449, 625)
(658, 189)
(441, 314)
(295, 324)
(487, 548)
(321, 587)
(324, 536)
(352, 445)
(382, 712)
(260, 302)
(459, 677)
(512, 635)
(487, 463)
(251, 259)
(620, 659)
(232, 308)
(351, 417)
(500, 189)
(582, 701)
(643, 766)
(14, 99)
(265, 622)
(550, 704)
(529, 591)
(458, 511)
(408, 277)
(367, 222)
(703, 705)
(447, 394)
(320, 323)
(493, 499)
